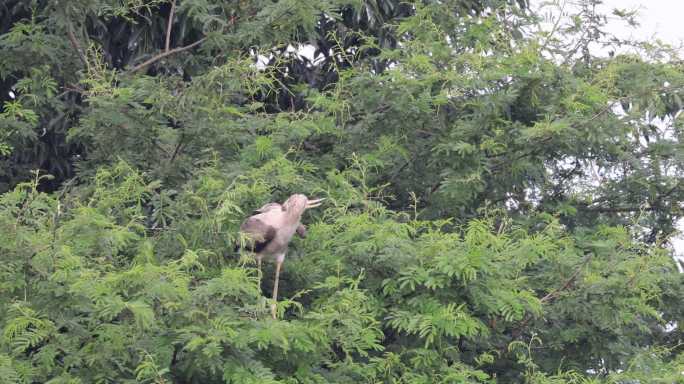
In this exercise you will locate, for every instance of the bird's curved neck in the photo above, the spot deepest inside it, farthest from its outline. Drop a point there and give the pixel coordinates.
(293, 215)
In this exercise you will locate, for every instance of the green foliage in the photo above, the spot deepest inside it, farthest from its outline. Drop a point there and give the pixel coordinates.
(499, 204)
(93, 295)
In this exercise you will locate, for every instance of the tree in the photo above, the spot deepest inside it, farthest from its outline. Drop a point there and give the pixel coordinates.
(500, 198)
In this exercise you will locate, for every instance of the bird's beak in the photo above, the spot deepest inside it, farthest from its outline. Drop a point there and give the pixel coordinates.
(314, 203)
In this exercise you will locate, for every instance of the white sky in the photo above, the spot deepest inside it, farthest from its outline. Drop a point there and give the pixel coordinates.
(658, 18)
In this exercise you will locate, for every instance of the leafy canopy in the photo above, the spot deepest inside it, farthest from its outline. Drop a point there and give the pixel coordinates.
(500, 199)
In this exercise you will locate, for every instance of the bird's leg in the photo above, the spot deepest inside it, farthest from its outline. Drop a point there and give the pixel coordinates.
(259, 266)
(258, 259)
(279, 263)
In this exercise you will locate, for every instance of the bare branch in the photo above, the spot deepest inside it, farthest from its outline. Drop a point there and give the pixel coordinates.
(168, 26)
(167, 53)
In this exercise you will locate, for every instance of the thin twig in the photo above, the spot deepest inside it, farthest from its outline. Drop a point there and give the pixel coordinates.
(607, 108)
(168, 26)
(164, 54)
(554, 28)
(71, 88)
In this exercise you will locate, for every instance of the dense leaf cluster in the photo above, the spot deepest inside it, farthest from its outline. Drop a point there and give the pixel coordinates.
(500, 202)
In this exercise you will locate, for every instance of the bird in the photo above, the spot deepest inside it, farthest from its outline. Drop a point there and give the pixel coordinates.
(271, 228)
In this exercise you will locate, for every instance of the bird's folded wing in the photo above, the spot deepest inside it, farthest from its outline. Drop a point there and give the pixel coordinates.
(268, 207)
(259, 233)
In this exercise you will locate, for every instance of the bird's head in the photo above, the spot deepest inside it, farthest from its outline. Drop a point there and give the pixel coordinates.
(298, 203)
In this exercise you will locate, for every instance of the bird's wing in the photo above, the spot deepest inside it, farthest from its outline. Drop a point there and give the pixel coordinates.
(268, 207)
(259, 233)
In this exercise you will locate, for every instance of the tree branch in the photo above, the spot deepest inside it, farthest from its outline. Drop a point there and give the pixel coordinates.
(552, 295)
(652, 206)
(176, 151)
(168, 26)
(615, 209)
(76, 45)
(554, 28)
(625, 98)
(164, 54)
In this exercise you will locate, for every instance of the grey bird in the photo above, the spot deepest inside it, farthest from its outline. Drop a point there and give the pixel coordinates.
(270, 230)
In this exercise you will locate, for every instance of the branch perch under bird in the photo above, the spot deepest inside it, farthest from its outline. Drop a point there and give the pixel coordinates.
(271, 229)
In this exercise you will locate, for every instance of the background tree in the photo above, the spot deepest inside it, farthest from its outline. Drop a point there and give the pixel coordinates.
(500, 198)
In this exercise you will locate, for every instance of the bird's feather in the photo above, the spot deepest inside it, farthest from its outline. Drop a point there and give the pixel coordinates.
(268, 207)
(301, 231)
(260, 233)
